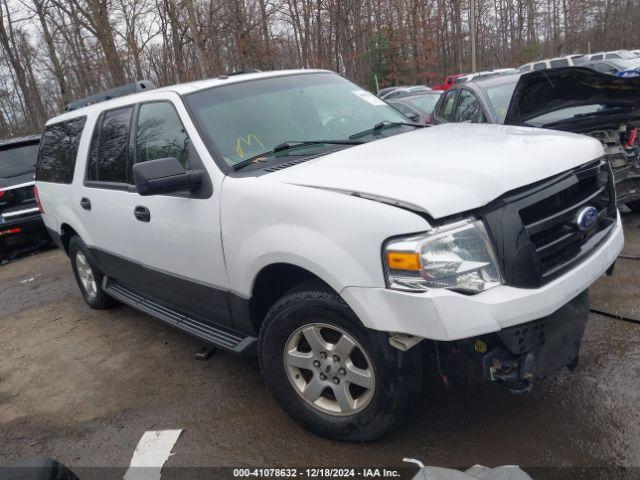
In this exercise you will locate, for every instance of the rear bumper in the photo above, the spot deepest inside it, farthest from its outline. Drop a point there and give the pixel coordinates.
(444, 315)
(23, 230)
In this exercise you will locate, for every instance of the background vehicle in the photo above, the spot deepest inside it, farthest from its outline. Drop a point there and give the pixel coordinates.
(571, 99)
(392, 92)
(295, 216)
(20, 221)
(614, 55)
(566, 61)
(486, 74)
(449, 81)
(416, 107)
(612, 67)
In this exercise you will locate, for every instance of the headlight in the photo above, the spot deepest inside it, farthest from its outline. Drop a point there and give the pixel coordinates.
(458, 256)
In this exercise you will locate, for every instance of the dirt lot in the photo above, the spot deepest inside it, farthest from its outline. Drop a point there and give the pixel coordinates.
(83, 385)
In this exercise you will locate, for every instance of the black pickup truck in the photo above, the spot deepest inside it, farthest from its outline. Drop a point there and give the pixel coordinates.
(20, 221)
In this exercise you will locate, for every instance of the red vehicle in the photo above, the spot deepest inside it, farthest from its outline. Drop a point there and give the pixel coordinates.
(449, 81)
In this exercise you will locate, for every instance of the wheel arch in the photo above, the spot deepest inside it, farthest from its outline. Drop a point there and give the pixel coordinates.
(274, 280)
(66, 232)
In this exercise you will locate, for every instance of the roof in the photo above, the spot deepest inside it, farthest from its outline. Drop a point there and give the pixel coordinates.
(563, 57)
(496, 80)
(182, 89)
(476, 77)
(11, 142)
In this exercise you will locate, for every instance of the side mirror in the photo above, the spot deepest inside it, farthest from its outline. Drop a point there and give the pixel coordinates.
(164, 175)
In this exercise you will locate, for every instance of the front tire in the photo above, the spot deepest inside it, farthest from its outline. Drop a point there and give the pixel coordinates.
(88, 276)
(329, 373)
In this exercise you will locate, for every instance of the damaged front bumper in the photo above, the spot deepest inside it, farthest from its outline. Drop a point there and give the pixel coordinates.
(518, 355)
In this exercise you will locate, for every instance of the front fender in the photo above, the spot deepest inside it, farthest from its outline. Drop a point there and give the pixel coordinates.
(335, 236)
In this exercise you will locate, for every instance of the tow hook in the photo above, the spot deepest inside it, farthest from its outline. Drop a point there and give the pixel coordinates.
(403, 342)
(516, 374)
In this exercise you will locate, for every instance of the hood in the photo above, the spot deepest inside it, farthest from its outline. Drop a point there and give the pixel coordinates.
(446, 169)
(545, 91)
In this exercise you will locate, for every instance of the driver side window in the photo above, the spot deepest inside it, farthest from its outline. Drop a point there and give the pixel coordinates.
(160, 134)
(469, 109)
(446, 108)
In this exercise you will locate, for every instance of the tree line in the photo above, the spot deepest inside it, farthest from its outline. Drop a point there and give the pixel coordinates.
(55, 51)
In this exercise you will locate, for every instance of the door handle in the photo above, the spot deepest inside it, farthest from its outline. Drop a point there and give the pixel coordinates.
(85, 203)
(142, 213)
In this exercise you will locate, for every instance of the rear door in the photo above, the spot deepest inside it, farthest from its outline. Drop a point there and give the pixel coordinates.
(104, 201)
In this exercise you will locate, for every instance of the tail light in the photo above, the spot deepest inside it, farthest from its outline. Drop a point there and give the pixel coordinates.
(10, 231)
(37, 197)
(632, 137)
(2, 192)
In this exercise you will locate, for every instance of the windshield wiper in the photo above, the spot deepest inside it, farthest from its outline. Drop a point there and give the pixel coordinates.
(281, 147)
(382, 125)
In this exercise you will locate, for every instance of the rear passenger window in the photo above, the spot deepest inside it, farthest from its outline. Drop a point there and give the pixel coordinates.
(539, 66)
(160, 134)
(611, 56)
(109, 152)
(446, 109)
(58, 151)
(597, 57)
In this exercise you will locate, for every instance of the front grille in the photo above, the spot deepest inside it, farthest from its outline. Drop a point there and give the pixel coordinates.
(536, 228)
(551, 223)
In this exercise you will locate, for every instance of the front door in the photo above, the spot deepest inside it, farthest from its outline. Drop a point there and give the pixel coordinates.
(178, 241)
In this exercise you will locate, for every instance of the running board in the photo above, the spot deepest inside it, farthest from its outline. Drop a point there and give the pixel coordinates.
(214, 335)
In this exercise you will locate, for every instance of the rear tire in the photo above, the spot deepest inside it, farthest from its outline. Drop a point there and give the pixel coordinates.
(363, 414)
(634, 206)
(88, 276)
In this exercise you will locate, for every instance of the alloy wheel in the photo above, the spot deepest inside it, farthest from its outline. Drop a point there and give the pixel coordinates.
(329, 369)
(85, 273)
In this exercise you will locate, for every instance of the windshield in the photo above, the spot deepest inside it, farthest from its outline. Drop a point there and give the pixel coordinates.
(572, 112)
(250, 118)
(425, 103)
(15, 161)
(499, 98)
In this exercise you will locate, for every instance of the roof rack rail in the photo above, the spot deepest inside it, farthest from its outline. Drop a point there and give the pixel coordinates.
(121, 91)
(239, 72)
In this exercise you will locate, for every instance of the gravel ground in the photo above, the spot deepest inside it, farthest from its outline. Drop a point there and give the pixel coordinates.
(83, 385)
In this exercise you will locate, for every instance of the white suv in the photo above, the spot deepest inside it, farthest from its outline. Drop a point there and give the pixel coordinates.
(295, 216)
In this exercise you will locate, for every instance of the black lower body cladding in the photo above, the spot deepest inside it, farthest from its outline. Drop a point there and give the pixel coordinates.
(518, 355)
(552, 342)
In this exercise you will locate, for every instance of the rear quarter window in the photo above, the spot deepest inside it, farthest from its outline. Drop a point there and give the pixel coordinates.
(58, 151)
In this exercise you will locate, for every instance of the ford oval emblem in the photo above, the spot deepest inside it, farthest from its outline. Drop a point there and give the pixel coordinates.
(586, 218)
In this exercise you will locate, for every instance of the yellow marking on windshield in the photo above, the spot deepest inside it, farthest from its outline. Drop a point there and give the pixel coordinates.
(248, 142)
